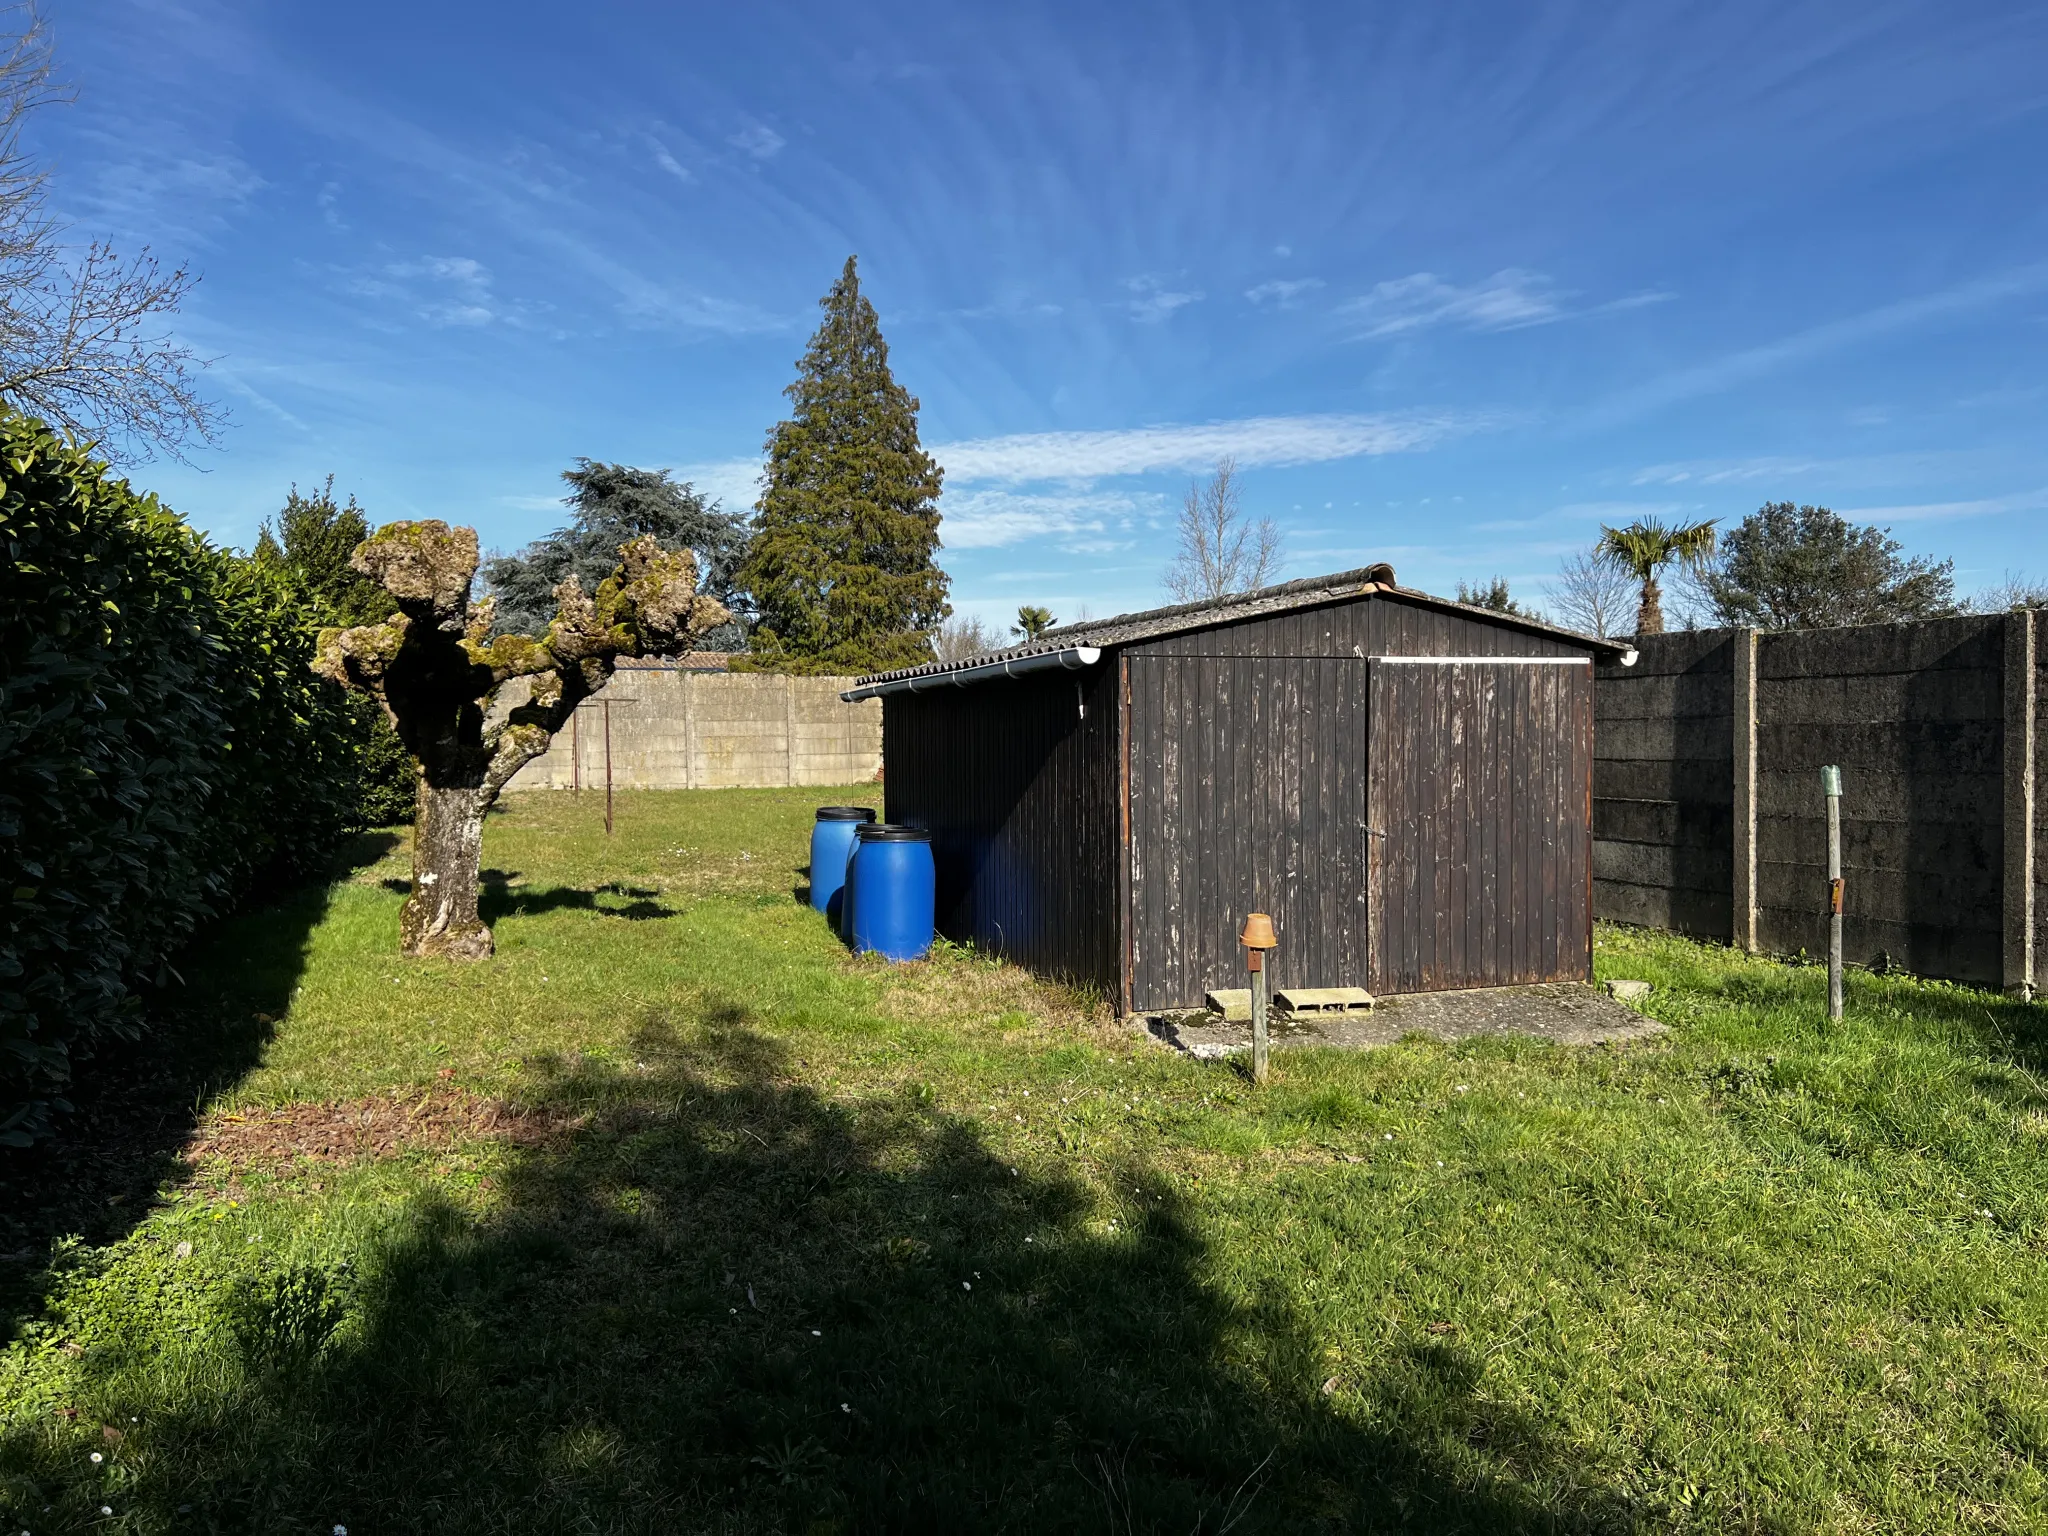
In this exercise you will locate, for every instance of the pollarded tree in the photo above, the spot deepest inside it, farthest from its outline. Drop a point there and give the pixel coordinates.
(841, 567)
(436, 669)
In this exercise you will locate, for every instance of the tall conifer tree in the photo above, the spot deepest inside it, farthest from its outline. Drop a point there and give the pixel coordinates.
(841, 566)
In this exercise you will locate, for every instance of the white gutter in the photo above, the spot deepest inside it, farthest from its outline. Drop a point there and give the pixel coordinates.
(1072, 659)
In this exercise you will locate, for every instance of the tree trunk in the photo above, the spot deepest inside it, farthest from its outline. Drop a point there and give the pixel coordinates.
(1650, 616)
(441, 917)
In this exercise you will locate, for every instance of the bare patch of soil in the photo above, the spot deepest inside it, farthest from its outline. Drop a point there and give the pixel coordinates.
(383, 1125)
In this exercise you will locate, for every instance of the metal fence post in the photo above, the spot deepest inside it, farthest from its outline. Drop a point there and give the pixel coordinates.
(1831, 786)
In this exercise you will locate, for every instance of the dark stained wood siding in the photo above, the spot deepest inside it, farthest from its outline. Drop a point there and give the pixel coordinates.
(1380, 625)
(1250, 801)
(1128, 859)
(1482, 782)
(1248, 777)
(1020, 792)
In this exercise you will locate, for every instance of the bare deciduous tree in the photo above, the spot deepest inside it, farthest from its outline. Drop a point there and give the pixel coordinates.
(1592, 595)
(1221, 550)
(84, 342)
(963, 636)
(2015, 593)
(436, 670)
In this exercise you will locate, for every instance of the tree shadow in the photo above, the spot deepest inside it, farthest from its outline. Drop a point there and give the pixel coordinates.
(501, 899)
(136, 1102)
(711, 1297)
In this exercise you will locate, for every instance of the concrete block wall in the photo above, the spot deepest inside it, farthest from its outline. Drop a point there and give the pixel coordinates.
(1914, 715)
(1708, 814)
(1663, 789)
(714, 730)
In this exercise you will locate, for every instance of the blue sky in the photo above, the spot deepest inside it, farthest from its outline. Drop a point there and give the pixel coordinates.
(1454, 283)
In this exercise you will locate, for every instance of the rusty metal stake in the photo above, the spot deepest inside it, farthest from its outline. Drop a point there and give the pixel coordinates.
(1257, 938)
(1831, 786)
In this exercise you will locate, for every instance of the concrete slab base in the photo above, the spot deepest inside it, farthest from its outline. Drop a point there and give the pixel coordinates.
(1566, 1013)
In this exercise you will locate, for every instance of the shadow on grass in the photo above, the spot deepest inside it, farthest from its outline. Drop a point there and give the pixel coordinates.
(136, 1102)
(2007, 1030)
(716, 1299)
(634, 903)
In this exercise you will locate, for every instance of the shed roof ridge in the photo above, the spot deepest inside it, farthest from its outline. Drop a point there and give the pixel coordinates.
(1303, 592)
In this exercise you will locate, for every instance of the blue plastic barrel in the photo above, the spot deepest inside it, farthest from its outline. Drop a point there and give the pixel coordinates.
(831, 848)
(843, 919)
(894, 888)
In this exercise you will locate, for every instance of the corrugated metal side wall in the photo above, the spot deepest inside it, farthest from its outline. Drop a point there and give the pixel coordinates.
(1019, 788)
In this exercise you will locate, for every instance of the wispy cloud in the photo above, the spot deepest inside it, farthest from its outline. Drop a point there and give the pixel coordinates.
(1725, 471)
(1256, 442)
(329, 202)
(1081, 522)
(1933, 511)
(1152, 301)
(669, 162)
(734, 483)
(983, 512)
(546, 218)
(1508, 300)
(165, 191)
(1283, 291)
(442, 290)
(1612, 513)
(758, 141)
(1757, 362)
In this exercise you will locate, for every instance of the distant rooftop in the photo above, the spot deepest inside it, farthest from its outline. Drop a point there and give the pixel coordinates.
(693, 661)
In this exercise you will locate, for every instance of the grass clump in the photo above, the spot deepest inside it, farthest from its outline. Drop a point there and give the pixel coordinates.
(672, 1216)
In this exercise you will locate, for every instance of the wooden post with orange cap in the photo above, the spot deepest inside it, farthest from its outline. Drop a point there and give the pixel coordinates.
(1257, 938)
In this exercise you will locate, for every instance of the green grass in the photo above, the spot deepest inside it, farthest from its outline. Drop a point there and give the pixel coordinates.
(783, 1240)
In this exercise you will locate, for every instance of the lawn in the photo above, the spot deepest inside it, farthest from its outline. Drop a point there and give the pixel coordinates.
(674, 1217)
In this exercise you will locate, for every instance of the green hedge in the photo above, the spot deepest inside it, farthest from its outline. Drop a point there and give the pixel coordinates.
(163, 747)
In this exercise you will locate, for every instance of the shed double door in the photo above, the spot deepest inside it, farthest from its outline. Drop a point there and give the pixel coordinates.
(1479, 812)
(1411, 824)
(1246, 785)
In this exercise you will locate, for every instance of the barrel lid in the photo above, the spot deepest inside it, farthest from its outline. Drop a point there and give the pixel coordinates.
(890, 832)
(846, 813)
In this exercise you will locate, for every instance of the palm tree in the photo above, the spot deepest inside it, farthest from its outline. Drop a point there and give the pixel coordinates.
(1644, 548)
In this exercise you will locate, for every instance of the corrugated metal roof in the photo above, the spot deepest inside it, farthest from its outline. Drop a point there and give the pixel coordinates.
(1308, 592)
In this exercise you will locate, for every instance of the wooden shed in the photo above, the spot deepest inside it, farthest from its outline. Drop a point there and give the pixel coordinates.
(1403, 782)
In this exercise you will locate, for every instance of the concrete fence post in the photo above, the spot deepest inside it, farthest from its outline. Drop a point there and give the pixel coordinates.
(2020, 656)
(1743, 708)
(688, 680)
(788, 729)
